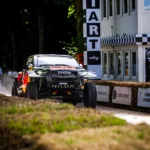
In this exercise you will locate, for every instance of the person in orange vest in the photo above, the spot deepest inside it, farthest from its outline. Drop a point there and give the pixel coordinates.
(19, 79)
(25, 77)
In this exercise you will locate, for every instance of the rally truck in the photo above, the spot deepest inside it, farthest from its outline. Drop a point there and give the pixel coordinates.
(54, 75)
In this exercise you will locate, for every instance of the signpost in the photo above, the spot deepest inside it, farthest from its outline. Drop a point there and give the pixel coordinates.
(91, 34)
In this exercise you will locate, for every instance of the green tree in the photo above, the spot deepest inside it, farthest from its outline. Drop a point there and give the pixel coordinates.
(75, 15)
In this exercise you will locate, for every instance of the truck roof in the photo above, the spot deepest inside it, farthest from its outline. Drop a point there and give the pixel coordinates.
(52, 55)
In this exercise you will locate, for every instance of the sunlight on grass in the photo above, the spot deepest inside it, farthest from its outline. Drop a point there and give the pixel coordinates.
(14, 110)
(54, 117)
(43, 125)
(108, 138)
(30, 109)
(55, 122)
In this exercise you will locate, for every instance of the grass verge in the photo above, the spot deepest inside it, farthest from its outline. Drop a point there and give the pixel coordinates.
(53, 117)
(49, 125)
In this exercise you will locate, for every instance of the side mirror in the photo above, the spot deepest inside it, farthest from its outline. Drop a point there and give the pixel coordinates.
(80, 65)
(30, 66)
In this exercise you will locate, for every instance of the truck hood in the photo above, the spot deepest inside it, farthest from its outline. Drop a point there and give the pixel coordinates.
(82, 72)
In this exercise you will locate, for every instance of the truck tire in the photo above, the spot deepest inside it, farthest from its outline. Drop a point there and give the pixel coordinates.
(90, 95)
(14, 90)
(32, 92)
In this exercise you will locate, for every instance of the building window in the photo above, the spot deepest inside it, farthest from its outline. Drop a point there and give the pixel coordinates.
(111, 66)
(110, 8)
(134, 63)
(118, 6)
(118, 64)
(133, 5)
(104, 8)
(105, 63)
(125, 6)
(146, 5)
(126, 64)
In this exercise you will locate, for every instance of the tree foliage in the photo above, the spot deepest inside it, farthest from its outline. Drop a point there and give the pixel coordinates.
(75, 16)
(26, 29)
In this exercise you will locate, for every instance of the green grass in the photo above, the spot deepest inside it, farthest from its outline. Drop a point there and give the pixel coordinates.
(29, 109)
(54, 118)
(43, 125)
(14, 110)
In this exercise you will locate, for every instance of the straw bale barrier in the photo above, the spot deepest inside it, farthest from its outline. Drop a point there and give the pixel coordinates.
(131, 84)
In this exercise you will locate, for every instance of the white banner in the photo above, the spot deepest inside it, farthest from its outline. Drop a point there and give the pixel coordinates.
(121, 95)
(143, 97)
(102, 93)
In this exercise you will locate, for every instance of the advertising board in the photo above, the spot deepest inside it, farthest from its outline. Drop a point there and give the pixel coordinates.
(121, 95)
(102, 93)
(143, 97)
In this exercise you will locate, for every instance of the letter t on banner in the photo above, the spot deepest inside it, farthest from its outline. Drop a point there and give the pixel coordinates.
(91, 35)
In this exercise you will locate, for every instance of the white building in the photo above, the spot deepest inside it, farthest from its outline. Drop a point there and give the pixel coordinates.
(125, 39)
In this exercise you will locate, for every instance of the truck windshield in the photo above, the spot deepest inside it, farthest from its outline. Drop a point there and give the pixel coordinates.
(57, 61)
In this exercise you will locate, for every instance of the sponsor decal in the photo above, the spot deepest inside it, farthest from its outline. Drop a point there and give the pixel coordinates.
(115, 94)
(143, 97)
(62, 86)
(62, 68)
(102, 93)
(94, 57)
(64, 72)
(121, 95)
(63, 83)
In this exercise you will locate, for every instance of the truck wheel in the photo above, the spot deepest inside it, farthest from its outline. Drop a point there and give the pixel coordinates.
(32, 92)
(14, 90)
(90, 95)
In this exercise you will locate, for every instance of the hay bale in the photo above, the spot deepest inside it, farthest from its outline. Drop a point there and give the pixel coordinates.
(134, 88)
(122, 83)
